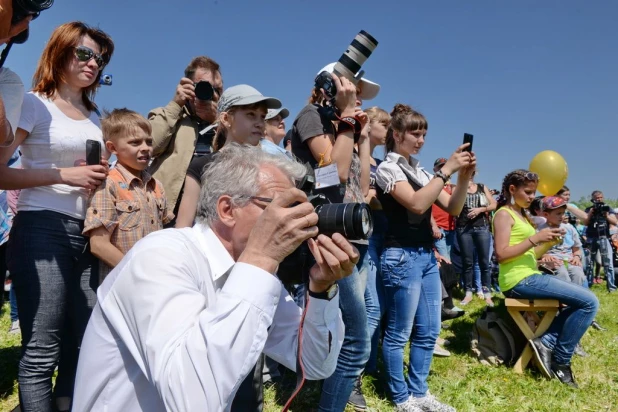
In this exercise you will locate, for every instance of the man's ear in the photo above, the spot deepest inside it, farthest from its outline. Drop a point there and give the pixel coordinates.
(109, 145)
(225, 210)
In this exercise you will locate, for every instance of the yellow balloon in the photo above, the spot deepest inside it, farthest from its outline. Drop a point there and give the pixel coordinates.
(552, 170)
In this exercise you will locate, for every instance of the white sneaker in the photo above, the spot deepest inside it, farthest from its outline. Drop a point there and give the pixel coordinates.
(408, 406)
(429, 403)
(440, 351)
(14, 328)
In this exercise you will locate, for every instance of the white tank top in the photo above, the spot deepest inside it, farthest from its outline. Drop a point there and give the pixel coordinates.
(54, 141)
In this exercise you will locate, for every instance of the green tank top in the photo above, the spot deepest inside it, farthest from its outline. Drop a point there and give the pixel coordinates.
(515, 270)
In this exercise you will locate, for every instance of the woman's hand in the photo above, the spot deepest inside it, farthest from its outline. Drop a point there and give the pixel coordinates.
(465, 161)
(88, 177)
(475, 212)
(548, 235)
(346, 95)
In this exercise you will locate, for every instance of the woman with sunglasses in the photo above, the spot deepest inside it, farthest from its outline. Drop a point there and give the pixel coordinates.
(518, 246)
(49, 258)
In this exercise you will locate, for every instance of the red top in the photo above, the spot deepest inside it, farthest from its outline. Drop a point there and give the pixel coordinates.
(442, 218)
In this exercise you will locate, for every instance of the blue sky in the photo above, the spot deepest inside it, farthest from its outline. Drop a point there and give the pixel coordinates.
(522, 76)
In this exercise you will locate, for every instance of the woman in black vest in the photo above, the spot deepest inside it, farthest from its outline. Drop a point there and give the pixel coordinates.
(409, 269)
(473, 235)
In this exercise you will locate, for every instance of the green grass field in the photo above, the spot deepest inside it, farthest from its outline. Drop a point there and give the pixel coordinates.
(459, 380)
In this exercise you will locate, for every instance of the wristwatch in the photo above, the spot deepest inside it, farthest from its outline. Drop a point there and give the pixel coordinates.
(442, 176)
(328, 294)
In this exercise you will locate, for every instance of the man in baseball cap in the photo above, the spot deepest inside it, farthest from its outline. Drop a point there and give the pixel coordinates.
(275, 130)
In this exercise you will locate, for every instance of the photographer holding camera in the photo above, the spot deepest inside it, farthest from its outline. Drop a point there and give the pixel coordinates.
(176, 127)
(598, 217)
(209, 302)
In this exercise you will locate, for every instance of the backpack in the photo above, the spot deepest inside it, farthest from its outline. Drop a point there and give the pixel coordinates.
(496, 341)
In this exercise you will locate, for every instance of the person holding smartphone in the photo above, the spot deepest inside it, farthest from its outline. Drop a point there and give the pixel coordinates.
(49, 258)
(518, 246)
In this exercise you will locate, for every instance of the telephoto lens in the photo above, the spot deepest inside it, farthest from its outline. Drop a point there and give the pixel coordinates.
(354, 57)
(204, 90)
(352, 220)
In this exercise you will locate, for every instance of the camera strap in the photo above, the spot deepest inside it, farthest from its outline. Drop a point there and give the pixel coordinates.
(5, 52)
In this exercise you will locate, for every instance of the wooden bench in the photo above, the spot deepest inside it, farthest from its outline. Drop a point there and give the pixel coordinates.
(549, 310)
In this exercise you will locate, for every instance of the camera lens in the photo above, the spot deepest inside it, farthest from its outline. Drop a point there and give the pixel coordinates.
(352, 220)
(204, 91)
(355, 56)
(22, 8)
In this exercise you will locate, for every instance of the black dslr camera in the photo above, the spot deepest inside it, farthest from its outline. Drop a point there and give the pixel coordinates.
(25, 8)
(204, 91)
(600, 208)
(352, 220)
(349, 65)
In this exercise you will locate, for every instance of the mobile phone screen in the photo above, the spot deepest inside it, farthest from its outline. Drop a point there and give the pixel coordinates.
(468, 138)
(93, 152)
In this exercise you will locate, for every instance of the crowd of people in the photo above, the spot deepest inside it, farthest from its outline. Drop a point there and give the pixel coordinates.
(192, 317)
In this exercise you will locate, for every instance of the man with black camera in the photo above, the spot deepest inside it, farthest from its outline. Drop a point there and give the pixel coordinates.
(176, 127)
(598, 217)
(209, 302)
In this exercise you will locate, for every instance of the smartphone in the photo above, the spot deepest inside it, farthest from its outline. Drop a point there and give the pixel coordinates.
(468, 138)
(93, 152)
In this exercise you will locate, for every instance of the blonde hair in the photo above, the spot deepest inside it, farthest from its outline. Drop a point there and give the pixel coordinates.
(120, 123)
(221, 136)
(378, 115)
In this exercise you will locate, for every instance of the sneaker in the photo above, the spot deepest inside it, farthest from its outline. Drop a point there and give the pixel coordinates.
(408, 406)
(564, 374)
(579, 351)
(457, 309)
(443, 342)
(356, 399)
(14, 329)
(440, 351)
(543, 357)
(429, 403)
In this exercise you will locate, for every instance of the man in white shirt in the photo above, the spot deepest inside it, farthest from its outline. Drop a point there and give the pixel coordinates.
(182, 320)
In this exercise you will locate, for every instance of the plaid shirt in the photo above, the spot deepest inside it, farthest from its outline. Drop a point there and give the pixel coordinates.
(129, 208)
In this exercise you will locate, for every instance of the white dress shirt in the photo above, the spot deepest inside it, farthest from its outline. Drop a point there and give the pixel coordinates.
(178, 326)
(395, 169)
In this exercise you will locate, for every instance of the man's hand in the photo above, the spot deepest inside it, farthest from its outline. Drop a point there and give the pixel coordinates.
(184, 92)
(335, 259)
(280, 230)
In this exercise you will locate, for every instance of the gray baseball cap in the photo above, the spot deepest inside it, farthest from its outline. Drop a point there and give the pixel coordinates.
(274, 112)
(242, 95)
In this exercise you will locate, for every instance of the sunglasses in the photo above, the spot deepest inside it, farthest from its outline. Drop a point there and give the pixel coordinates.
(84, 54)
(531, 176)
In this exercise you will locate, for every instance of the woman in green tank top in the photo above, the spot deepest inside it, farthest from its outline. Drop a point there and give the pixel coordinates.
(517, 247)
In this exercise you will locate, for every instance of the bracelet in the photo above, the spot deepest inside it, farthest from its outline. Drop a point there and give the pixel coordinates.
(533, 244)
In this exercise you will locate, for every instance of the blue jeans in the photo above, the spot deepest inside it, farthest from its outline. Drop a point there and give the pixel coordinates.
(413, 296)
(571, 324)
(374, 294)
(605, 249)
(50, 264)
(473, 239)
(355, 349)
(444, 244)
(13, 300)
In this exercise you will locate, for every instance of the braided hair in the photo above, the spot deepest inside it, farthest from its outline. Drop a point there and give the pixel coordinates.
(516, 178)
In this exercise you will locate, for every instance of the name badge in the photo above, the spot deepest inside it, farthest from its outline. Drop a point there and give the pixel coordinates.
(326, 176)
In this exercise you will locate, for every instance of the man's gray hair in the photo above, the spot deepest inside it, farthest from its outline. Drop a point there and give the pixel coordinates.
(235, 172)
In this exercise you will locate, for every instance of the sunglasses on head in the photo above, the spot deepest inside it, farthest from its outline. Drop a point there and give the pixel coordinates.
(84, 54)
(531, 176)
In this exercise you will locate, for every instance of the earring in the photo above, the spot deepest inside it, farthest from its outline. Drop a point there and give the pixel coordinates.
(512, 200)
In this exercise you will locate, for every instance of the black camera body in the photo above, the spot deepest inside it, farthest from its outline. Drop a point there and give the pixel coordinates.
(352, 220)
(599, 207)
(24, 8)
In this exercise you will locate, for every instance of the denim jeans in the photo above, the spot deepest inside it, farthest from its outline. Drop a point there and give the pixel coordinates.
(13, 300)
(473, 239)
(445, 243)
(571, 324)
(413, 296)
(374, 294)
(605, 248)
(355, 349)
(50, 264)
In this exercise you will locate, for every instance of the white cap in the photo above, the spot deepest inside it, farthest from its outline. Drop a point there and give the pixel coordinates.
(369, 89)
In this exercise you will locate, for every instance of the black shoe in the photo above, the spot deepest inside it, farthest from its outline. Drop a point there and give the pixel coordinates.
(596, 325)
(579, 351)
(356, 399)
(448, 314)
(564, 374)
(543, 357)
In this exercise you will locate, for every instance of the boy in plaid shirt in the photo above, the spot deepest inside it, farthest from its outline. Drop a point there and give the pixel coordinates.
(131, 203)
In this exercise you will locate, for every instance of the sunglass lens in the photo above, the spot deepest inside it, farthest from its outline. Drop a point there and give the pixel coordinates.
(83, 55)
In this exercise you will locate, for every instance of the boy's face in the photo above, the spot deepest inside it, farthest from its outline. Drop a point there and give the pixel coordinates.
(554, 217)
(133, 151)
